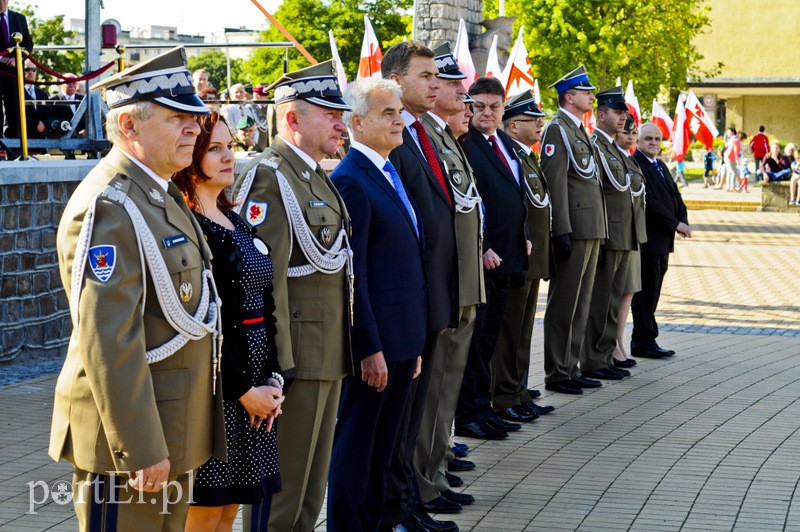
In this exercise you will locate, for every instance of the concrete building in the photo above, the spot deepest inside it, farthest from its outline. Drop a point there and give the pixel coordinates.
(759, 82)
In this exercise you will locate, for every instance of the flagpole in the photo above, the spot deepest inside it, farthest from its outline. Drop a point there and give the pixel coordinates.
(502, 8)
(285, 33)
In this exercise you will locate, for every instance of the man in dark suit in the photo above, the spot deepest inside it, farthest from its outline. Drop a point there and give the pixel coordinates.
(11, 22)
(37, 116)
(579, 227)
(412, 66)
(390, 325)
(64, 113)
(493, 158)
(666, 215)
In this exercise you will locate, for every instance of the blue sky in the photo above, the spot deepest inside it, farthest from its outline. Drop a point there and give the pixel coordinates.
(189, 17)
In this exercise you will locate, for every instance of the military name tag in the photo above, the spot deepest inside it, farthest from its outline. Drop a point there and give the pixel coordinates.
(447, 151)
(317, 203)
(177, 240)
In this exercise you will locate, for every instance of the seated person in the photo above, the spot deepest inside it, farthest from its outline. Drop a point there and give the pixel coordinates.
(777, 166)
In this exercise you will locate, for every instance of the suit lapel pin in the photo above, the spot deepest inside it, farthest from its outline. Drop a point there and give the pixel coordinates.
(186, 292)
(156, 195)
(306, 174)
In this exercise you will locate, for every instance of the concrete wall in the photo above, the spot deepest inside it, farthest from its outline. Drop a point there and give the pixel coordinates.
(34, 315)
(778, 114)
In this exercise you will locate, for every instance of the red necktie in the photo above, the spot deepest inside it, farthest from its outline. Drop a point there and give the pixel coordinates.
(5, 29)
(430, 155)
(499, 152)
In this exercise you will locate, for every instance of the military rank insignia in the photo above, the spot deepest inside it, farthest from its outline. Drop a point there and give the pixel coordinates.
(256, 212)
(549, 149)
(102, 260)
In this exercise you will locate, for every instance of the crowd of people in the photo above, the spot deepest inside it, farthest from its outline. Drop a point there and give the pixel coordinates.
(269, 336)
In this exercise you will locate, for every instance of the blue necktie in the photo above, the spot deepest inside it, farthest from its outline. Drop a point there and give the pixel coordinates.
(401, 191)
(658, 169)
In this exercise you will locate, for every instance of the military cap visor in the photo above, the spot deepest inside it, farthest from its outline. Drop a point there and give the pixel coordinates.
(316, 84)
(526, 106)
(163, 80)
(577, 79)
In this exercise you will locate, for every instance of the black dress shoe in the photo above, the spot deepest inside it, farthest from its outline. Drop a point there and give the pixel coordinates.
(457, 464)
(498, 424)
(453, 480)
(426, 522)
(627, 363)
(646, 352)
(586, 382)
(442, 505)
(481, 431)
(602, 373)
(621, 371)
(563, 387)
(462, 446)
(464, 499)
(458, 452)
(534, 393)
(517, 414)
(538, 410)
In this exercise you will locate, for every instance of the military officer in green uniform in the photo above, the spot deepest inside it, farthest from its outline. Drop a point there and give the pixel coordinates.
(134, 409)
(579, 227)
(612, 268)
(452, 347)
(511, 400)
(288, 199)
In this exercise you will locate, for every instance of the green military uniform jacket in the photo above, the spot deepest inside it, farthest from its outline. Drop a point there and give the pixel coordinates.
(113, 411)
(578, 206)
(312, 311)
(539, 261)
(637, 186)
(619, 204)
(468, 225)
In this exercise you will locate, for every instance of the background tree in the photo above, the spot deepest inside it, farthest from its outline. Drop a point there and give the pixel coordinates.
(216, 64)
(309, 21)
(648, 41)
(51, 31)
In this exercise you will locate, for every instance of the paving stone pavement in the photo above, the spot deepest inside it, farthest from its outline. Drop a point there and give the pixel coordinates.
(705, 440)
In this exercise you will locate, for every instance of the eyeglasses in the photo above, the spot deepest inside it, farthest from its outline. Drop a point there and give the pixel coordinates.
(30, 70)
(479, 107)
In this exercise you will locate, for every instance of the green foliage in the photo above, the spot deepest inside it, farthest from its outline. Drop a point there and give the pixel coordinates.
(648, 41)
(309, 21)
(48, 32)
(216, 64)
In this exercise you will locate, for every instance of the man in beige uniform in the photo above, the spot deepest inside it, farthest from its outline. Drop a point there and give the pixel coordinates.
(579, 227)
(452, 347)
(134, 408)
(523, 121)
(612, 268)
(311, 291)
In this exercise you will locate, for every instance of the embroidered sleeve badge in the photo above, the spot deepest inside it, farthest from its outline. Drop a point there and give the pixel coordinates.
(549, 149)
(256, 212)
(102, 260)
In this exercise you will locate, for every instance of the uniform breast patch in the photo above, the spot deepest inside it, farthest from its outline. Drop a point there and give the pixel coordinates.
(256, 212)
(102, 260)
(549, 149)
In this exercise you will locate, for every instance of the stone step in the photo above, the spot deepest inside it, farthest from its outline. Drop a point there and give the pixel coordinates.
(716, 205)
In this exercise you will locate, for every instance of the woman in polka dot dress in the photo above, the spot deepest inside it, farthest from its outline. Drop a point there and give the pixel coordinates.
(251, 380)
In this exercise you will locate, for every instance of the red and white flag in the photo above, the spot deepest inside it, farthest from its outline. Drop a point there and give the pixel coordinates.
(463, 55)
(633, 104)
(340, 75)
(588, 122)
(660, 118)
(517, 74)
(493, 69)
(369, 65)
(699, 122)
(680, 132)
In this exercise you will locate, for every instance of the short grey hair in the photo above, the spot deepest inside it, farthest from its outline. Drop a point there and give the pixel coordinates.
(358, 92)
(301, 107)
(140, 110)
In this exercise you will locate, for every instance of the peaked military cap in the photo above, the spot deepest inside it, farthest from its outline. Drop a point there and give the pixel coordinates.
(522, 104)
(468, 98)
(446, 62)
(316, 84)
(613, 98)
(164, 80)
(577, 79)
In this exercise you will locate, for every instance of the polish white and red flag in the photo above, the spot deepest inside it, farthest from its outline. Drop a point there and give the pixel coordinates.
(493, 69)
(660, 118)
(340, 75)
(463, 55)
(589, 122)
(633, 104)
(699, 122)
(680, 132)
(517, 74)
(369, 65)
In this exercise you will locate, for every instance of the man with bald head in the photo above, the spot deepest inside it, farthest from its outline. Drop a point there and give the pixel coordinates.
(665, 215)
